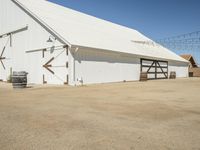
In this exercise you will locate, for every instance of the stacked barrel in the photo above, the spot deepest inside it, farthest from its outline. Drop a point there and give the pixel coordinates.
(19, 79)
(172, 75)
(143, 76)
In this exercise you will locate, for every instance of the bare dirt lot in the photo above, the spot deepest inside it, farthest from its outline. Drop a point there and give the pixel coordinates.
(153, 115)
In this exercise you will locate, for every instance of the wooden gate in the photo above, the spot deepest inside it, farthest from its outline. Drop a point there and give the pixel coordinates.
(2, 58)
(53, 64)
(5, 52)
(2, 55)
(5, 59)
(156, 69)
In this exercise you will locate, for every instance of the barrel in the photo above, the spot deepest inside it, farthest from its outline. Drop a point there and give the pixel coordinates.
(19, 79)
(143, 76)
(172, 75)
(191, 74)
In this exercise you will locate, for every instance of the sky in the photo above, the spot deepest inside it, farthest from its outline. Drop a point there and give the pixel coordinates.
(156, 19)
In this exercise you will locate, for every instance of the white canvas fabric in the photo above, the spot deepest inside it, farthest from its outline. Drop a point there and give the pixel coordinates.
(84, 30)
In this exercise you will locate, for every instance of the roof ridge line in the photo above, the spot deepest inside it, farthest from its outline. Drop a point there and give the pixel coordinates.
(42, 23)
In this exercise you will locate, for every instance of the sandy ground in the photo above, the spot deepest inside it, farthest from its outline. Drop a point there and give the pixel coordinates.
(153, 115)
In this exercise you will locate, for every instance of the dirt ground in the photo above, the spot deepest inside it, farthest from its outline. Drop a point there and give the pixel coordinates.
(153, 115)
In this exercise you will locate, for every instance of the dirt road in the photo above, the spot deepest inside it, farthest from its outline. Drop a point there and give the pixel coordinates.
(153, 115)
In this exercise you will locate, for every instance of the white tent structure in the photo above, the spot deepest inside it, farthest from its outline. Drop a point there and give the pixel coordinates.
(57, 45)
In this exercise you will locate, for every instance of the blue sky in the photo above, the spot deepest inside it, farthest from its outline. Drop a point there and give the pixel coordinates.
(154, 18)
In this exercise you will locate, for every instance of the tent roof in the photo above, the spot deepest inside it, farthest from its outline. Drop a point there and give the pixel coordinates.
(80, 29)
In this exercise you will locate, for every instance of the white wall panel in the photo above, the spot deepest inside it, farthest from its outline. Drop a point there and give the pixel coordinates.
(4, 73)
(180, 68)
(58, 66)
(93, 66)
(34, 38)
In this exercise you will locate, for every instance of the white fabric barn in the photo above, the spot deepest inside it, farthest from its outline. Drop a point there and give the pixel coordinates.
(57, 45)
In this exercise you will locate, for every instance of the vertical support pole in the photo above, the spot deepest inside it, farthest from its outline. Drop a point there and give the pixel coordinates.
(141, 61)
(43, 54)
(10, 39)
(43, 51)
(67, 80)
(11, 74)
(156, 70)
(67, 51)
(167, 70)
(44, 82)
(43, 78)
(74, 67)
(67, 65)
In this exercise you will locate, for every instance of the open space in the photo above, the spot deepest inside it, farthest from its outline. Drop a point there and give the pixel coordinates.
(153, 115)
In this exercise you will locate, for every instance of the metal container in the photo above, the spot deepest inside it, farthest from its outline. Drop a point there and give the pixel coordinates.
(19, 79)
(172, 75)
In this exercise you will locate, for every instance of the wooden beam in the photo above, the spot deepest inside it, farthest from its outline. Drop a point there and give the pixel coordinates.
(48, 65)
(154, 60)
(67, 49)
(1, 58)
(14, 32)
(151, 66)
(46, 49)
(3, 65)
(147, 66)
(156, 79)
(43, 51)
(156, 69)
(163, 71)
(67, 80)
(44, 82)
(67, 65)
(155, 64)
(157, 72)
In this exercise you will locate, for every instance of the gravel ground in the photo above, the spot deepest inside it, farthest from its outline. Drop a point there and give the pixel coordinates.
(153, 115)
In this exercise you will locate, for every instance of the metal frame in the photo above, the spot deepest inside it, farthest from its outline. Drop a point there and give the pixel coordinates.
(155, 64)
